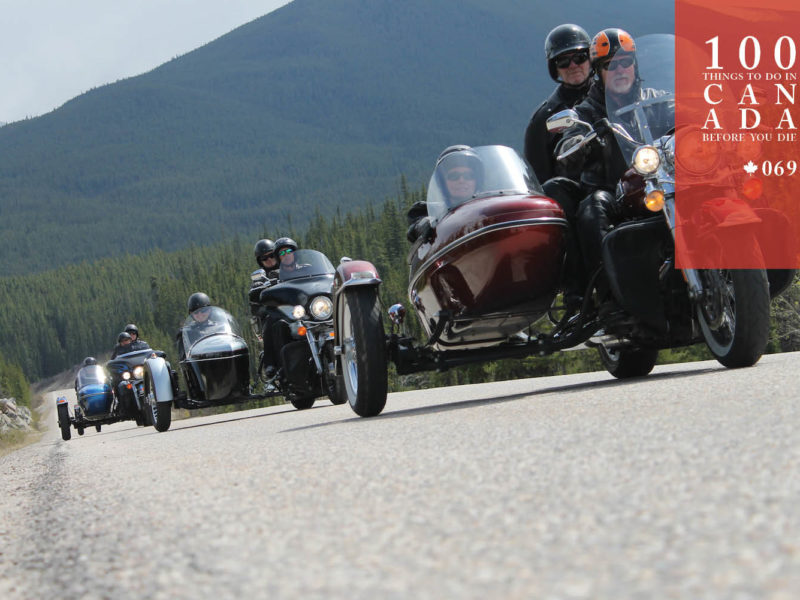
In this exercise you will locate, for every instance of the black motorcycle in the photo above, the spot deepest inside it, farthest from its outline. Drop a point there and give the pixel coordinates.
(298, 327)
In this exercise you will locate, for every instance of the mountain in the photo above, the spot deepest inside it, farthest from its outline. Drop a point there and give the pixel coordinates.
(319, 105)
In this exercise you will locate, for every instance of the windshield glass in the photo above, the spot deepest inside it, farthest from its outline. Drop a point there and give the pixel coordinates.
(304, 263)
(91, 374)
(645, 107)
(206, 321)
(474, 172)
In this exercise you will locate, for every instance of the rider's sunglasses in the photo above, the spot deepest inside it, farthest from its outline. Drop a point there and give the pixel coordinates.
(562, 62)
(466, 175)
(285, 251)
(622, 62)
(264, 257)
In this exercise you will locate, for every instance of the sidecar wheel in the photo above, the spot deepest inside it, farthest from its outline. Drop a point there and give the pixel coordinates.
(734, 318)
(363, 342)
(80, 430)
(628, 362)
(97, 428)
(302, 403)
(64, 422)
(159, 414)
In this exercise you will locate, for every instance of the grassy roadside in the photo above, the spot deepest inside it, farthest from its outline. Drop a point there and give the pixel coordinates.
(14, 440)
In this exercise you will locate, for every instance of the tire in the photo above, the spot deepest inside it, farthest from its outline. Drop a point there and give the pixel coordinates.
(302, 403)
(97, 428)
(80, 430)
(363, 342)
(64, 423)
(626, 363)
(159, 414)
(337, 392)
(734, 317)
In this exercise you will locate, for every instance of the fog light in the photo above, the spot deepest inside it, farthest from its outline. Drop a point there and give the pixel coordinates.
(752, 188)
(654, 201)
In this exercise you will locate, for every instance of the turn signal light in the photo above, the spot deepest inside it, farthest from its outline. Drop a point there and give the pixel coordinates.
(654, 200)
(752, 188)
(301, 331)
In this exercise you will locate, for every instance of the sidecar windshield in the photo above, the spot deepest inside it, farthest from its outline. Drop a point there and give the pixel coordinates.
(206, 321)
(477, 172)
(90, 374)
(304, 263)
(641, 96)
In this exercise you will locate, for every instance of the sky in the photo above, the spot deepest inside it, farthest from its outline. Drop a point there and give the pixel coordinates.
(54, 50)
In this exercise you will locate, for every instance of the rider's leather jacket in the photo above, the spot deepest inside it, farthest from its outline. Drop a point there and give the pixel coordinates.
(540, 143)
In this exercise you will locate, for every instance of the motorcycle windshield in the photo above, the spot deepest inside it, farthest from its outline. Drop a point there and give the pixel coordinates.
(206, 321)
(90, 374)
(640, 91)
(304, 263)
(482, 171)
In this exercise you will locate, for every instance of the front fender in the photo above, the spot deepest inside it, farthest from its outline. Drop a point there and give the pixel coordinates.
(352, 273)
(160, 376)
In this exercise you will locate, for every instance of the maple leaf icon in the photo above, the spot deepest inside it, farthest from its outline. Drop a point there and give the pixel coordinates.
(751, 167)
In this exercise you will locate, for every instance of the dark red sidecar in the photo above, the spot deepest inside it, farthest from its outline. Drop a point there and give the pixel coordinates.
(486, 265)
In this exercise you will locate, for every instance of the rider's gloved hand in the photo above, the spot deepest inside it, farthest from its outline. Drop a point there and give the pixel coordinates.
(603, 128)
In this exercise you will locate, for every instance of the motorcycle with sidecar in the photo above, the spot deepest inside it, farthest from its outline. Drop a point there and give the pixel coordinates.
(484, 272)
(96, 403)
(298, 324)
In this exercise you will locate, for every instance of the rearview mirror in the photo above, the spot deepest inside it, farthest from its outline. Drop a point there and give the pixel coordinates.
(563, 120)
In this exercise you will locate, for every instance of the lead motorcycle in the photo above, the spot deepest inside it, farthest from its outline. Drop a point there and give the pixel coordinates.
(484, 272)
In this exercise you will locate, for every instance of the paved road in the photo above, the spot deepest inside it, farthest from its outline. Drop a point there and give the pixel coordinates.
(681, 485)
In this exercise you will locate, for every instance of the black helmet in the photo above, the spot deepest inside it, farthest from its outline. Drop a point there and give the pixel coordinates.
(89, 360)
(564, 38)
(284, 242)
(124, 336)
(197, 300)
(131, 328)
(459, 156)
(263, 247)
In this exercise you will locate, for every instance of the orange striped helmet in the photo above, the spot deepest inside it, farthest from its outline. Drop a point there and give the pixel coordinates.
(607, 43)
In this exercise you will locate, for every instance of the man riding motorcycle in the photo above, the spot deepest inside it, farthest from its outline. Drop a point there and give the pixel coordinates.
(599, 166)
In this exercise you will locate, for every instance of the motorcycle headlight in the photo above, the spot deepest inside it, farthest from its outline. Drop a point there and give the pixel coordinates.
(694, 155)
(126, 375)
(138, 372)
(298, 312)
(646, 160)
(321, 308)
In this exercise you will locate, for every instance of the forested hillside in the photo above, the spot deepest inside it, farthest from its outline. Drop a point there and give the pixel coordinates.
(319, 105)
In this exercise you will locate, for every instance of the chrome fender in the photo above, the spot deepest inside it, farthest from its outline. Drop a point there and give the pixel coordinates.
(159, 374)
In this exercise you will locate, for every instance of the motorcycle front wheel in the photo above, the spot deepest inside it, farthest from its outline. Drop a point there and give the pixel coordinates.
(159, 414)
(734, 315)
(64, 422)
(363, 342)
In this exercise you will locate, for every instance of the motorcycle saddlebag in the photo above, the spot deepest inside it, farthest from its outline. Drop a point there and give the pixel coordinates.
(632, 255)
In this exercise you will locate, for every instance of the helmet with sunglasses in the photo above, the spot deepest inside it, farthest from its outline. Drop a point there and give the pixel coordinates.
(197, 300)
(131, 328)
(562, 39)
(607, 43)
(263, 247)
(459, 156)
(124, 336)
(284, 242)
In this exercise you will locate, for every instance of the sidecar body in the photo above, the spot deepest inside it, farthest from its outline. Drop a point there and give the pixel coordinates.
(491, 264)
(215, 360)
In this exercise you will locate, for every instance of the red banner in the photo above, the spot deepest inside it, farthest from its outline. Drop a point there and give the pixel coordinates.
(737, 136)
